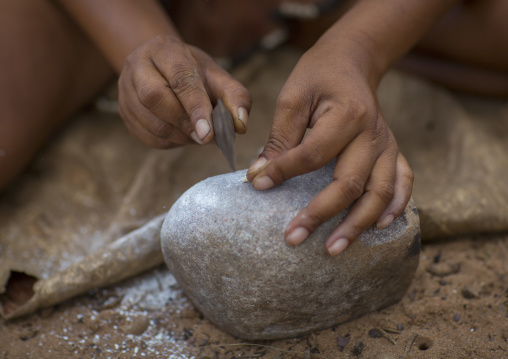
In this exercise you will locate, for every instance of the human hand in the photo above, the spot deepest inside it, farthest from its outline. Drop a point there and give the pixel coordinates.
(166, 91)
(335, 96)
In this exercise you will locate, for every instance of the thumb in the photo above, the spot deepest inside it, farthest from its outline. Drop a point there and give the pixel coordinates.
(288, 129)
(221, 85)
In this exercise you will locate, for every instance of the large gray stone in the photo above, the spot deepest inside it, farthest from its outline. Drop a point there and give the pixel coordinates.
(223, 241)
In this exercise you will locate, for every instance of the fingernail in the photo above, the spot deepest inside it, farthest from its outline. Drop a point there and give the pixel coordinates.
(202, 128)
(260, 162)
(338, 247)
(263, 183)
(243, 116)
(297, 236)
(196, 138)
(385, 222)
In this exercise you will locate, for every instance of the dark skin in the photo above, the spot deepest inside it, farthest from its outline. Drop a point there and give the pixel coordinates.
(167, 88)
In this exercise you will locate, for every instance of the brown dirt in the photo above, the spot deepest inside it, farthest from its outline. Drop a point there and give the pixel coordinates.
(456, 307)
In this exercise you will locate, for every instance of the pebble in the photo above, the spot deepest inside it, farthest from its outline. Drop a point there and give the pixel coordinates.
(443, 269)
(342, 341)
(470, 292)
(137, 326)
(223, 241)
(358, 349)
(109, 303)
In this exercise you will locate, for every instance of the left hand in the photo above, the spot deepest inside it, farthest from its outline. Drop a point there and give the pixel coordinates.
(333, 92)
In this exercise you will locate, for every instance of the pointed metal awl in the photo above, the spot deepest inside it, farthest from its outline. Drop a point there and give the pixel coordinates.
(224, 132)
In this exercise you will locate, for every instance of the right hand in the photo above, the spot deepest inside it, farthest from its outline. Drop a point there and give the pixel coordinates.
(166, 92)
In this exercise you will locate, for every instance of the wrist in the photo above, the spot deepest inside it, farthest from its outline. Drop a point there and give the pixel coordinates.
(357, 49)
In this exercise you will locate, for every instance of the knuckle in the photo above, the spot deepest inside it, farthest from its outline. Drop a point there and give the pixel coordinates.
(353, 187)
(312, 158)
(385, 191)
(130, 60)
(158, 40)
(183, 79)
(150, 96)
(162, 41)
(286, 103)
(277, 142)
(358, 109)
(283, 103)
(240, 92)
(181, 120)
(355, 230)
(312, 220)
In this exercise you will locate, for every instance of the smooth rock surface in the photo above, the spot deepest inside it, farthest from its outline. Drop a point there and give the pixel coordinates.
(223, 241)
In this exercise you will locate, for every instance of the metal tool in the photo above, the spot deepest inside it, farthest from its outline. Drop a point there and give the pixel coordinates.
(224, 132)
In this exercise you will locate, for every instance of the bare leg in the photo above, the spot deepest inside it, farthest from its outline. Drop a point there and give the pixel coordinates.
(49, 69)
(467, 50)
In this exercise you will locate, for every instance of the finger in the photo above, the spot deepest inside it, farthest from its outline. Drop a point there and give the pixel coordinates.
(349, 179)
(288, 129)
(174, 138)
(236, 98)
(378, 194)
(159, 128)
(154, 95)
(402, 193)
(328, 138)
(177, 66)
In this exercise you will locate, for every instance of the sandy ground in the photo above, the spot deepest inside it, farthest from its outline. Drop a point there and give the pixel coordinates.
(456, 307)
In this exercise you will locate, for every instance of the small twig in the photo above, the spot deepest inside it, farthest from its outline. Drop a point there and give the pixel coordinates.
(386, 335)
(409, 344)
(393, 331)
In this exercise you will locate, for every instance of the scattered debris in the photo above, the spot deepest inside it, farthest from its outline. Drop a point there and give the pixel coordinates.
(443, 269)
(137, 326)
(470, 292)
(109, 303)
(388, 330)
(383, 333)
(358, 349)
(409, 344)
(342, 341)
